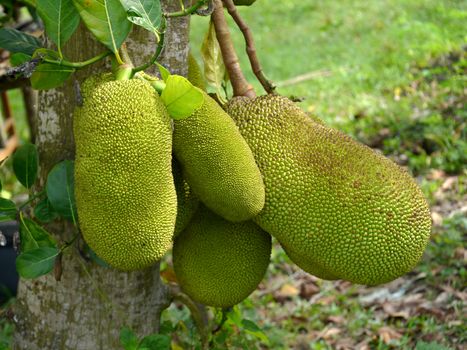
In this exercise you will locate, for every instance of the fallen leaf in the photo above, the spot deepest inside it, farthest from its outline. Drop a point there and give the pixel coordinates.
(387, 334)
(308, 289)
(330, 332)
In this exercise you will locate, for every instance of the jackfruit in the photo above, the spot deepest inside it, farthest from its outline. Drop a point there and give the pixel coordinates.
(125, 195)
(187, 202)
(217, 163)
(339, 208)
(194, 73)
(218, 262)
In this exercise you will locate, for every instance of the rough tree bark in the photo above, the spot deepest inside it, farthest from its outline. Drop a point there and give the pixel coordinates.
(69, 313)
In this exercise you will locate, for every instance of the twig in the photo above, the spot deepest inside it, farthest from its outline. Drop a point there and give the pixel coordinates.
(240, 85)
(160, 46)
(187, 11)
(195, 314)
(250, 47)
(304, 77)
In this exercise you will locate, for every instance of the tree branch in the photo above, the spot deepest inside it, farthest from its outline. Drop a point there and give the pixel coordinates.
(240, 85)
(195, 314)
(250, 47)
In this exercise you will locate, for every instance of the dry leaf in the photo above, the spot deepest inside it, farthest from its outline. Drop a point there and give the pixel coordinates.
(386, 334)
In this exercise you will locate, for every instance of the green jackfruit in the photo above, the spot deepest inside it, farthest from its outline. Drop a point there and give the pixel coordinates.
(217, 163)
(124, 188)
(339, 208)
(218, 262)
(194, 73)
(187, 202)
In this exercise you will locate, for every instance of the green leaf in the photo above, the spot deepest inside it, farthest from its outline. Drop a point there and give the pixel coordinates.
(49, 76)
(106, 19)
(7, 210)
(60, 19)
(235, 316)
(164, 71)
(253, 329)
(33, 236)
(180, 97)
(36, 262)
(25, 163)
(44, 212)
(60, 189)
(128, 339)
(16, 41)
(19, 58)
(144, 13)
(214, 68)
(155, 342)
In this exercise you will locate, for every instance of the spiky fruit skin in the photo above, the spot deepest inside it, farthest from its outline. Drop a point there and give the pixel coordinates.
(124, 189)
(187, 202)
(218, 262)
(195, 76)
(331, 201)
(217, 163)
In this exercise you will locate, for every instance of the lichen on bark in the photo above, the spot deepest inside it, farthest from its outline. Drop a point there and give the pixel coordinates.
(70, 314)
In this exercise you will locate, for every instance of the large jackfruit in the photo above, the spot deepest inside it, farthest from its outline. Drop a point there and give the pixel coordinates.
(187, 202)
(124, 188)
(340, 209)
(217, 163)
(218, 262)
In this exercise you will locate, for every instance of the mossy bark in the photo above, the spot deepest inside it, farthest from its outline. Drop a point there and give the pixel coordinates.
(70, 313)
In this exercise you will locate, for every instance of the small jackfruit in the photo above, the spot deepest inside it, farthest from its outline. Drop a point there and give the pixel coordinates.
(187, 202)
(217, 163)
(340, 209)
(125, 195)
(194, 73)
(218, 262)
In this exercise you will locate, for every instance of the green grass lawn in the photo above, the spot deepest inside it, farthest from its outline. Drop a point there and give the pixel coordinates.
(369, 48)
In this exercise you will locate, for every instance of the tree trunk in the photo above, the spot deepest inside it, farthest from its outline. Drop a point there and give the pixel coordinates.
(70, 313)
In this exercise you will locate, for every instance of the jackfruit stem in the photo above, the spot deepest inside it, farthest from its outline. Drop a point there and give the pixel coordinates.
(240, 85)
(123, 72)
(78, 65)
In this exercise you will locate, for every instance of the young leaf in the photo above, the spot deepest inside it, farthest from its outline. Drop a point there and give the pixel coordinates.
(16, 41)
(128, 339)
(33, 236)
(60, 189)
(25, 162)
(144, 13)
(60, 19)
(46, 53)
(214, 68)
(19, 58)
(106, 19)
(44, 212)
(155, 342)
(180, 97)
(49, 76)
(253, 329)
(164, 71)
(36, 262)
(7, 210)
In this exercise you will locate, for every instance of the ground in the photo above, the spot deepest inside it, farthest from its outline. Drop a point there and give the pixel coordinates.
(391, 74)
